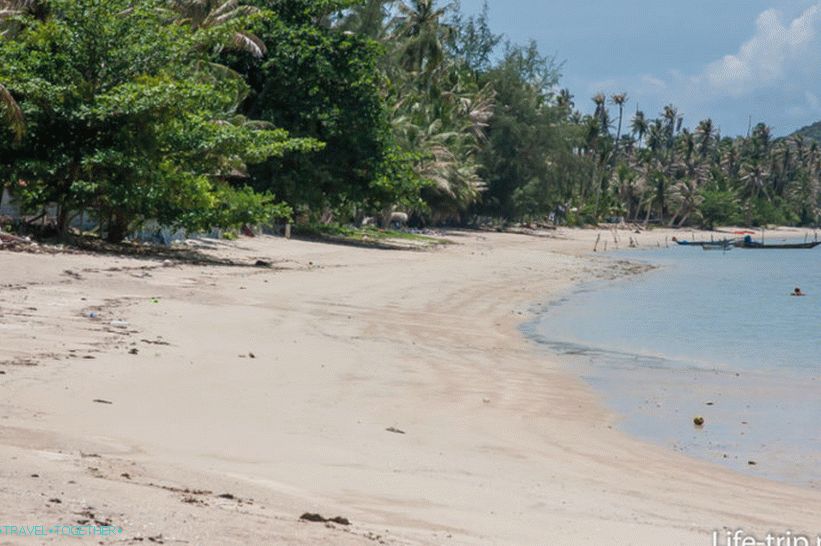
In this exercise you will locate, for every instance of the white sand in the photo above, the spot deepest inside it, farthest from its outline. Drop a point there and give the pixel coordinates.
(502, 445)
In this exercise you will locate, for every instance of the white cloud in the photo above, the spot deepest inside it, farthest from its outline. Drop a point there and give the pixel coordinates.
(776, 53)
(772, 77)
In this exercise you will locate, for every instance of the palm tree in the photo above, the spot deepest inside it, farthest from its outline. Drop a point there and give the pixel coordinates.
(639, 126)
(761, 141)
(13, 8)
(704, 137)
(619, 99)
(655, 136)
(730, 160)
(368, 19)
(647, 183)
(672, 124)
(599, 99)
(754, 183)
(686, 195)
(213, 13)
(419, 26)
(564, 100)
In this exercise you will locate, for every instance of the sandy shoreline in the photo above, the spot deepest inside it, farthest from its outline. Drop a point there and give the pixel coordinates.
(202, 442)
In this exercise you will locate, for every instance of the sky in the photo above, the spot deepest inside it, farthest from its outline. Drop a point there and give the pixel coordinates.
(723, 59)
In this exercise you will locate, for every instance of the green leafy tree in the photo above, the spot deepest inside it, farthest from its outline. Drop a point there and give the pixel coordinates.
(121, 121)
(320, 82)
(523, 138)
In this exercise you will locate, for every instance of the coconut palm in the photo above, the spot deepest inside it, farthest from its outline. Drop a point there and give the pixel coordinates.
(754, 184)
(422, 32)
(656, 137)
(564, 101)
(369, 19)
(601, 114)
(686, 196)
(14, 8)
(672, 124)
(705, 135)
(213, 13)
(639, 126)
(761, 141)
(619, 99)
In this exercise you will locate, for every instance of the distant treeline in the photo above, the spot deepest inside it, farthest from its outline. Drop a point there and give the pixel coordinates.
(212, 113)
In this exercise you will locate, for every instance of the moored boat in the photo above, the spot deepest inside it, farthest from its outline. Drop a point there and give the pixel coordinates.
(720, 243)
(747, 242)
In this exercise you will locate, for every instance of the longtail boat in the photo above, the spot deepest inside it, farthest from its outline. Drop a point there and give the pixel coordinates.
(721, 243)
(747, 242)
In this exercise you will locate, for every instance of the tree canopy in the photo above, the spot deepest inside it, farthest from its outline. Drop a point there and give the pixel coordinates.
(221, 113)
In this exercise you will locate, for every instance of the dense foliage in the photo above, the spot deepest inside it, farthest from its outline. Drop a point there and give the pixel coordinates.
(196, 113)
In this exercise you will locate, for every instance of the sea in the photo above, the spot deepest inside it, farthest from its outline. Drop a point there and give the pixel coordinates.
(707, 334)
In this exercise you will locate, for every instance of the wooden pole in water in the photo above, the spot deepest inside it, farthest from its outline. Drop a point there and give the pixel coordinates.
(596, 246)
(288, 231)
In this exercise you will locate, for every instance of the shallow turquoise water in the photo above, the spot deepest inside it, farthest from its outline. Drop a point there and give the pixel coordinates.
(707, 333)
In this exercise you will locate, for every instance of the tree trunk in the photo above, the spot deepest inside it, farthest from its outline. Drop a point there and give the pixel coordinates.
(117, 229)
(386, 218)
(62, 220)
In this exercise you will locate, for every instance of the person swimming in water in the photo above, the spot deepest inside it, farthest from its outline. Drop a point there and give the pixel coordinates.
(797, 292)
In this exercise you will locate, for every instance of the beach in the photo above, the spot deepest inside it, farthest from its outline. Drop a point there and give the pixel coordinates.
(212, 404)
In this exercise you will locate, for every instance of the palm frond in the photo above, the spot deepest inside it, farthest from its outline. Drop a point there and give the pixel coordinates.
(12, 113)
(250, 44)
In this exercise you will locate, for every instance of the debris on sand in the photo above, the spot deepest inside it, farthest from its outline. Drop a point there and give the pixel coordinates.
(698, 421)
(8, 240)
(395, 430)
(134, 351)
(101, 401)
(317, 518)
(87, 516)
(158, 341)
(262, 263)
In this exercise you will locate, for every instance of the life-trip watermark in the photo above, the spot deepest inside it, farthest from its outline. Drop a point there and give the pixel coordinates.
(59, 530)
(739, 537)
